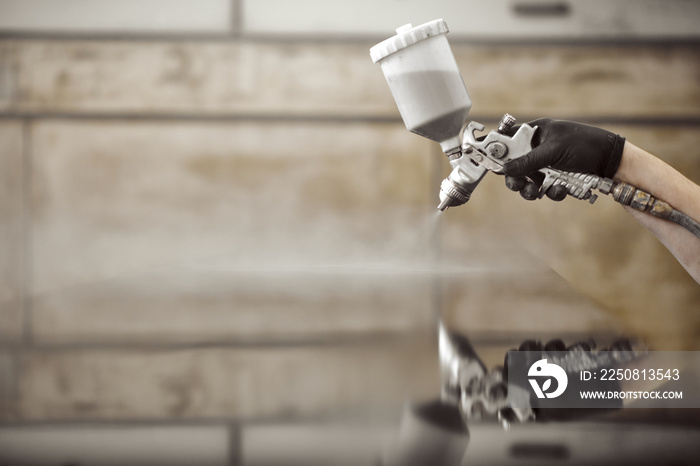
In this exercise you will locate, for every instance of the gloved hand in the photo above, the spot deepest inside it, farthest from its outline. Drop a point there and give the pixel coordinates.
(568, 146)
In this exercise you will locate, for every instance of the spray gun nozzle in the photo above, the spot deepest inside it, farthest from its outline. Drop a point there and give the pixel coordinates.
(452, 194)
(444, 204)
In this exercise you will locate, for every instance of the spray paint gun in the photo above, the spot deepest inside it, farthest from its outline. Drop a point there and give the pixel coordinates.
(426, 84)
(433, 101)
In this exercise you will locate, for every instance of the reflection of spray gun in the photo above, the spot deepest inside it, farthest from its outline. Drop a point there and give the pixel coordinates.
(424, 79)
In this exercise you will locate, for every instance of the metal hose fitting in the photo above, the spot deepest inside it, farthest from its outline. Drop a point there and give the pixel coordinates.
(642, 201)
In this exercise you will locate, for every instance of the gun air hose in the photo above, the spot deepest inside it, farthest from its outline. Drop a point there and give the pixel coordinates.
(642, 201)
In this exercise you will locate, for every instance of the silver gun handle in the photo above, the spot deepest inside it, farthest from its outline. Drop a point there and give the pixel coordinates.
(578, 185)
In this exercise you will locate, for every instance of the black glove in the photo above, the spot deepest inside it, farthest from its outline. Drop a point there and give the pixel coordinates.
(568, 146)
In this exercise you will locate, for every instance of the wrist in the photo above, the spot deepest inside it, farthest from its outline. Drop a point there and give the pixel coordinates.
(649, 173)
(629, 164)
(614, 158)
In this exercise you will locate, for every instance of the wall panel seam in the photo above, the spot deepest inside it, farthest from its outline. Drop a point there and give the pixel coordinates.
(27, 228)
(235, 444)
(682, 121)
(236, 15)
(239, 35)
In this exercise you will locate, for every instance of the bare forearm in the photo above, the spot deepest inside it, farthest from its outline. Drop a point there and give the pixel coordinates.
(649, 173)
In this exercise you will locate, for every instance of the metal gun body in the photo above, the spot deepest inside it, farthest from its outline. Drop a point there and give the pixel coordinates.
(492, 152)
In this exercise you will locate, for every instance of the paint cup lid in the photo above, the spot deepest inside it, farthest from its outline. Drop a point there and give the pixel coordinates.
(407, 35)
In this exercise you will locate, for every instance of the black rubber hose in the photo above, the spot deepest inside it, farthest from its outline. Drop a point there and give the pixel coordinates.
(686, 222)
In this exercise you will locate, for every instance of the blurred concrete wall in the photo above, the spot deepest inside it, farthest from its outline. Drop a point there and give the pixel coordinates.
(207, 213)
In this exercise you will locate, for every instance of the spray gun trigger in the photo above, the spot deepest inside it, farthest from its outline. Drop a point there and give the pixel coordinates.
(480, 158)
(498, 148)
